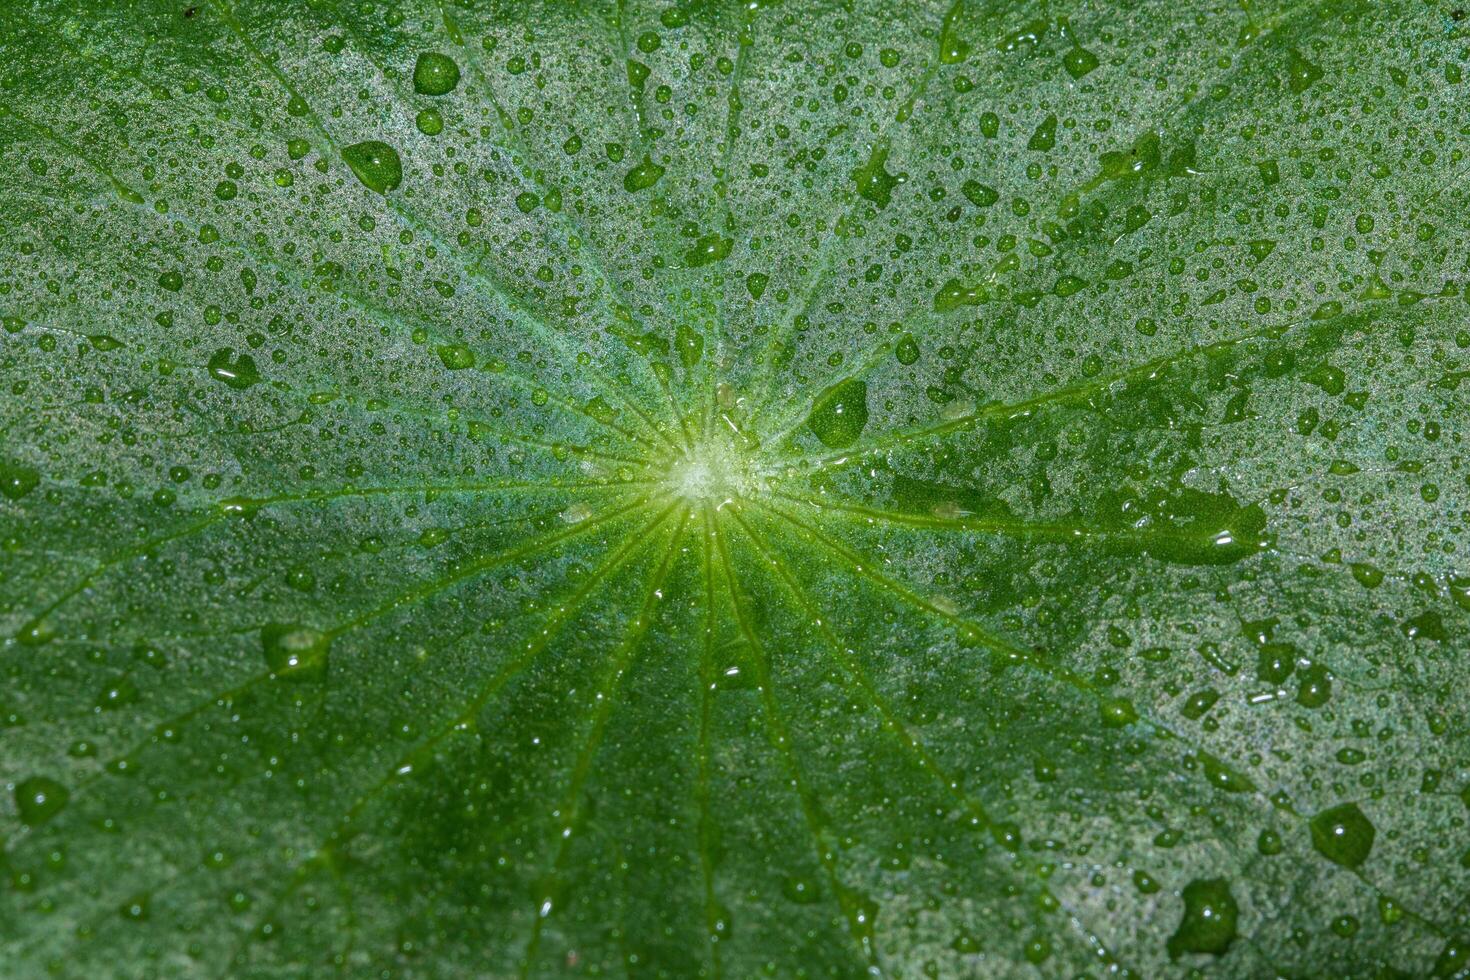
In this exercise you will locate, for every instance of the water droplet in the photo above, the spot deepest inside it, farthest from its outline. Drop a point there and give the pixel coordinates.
(1200, 528)
(1275, 662)
(1045, 136)
(874, 182)
(429, 121)
(800, 890)
(376, 164)
(955, 294)
(1224, 778)
(1301, 73)
(1209, 921)
(456, 357)
(118, 694)
(841, 413)
(1315, 688)
(37, 632)
(1117, 712)
(237, 372)
(643, 176)
(1343, 835)
(38, 799)
(17, 480)
(435, 74)
(1453, 959)
(690, 344)
(1428, 625)
(295, 651)
(1079, 61)
(978, 194)
(708, 248)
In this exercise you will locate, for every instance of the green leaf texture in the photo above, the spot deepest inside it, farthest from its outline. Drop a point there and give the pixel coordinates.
(695, 488)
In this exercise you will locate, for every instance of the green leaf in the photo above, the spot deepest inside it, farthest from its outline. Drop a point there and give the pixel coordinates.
(728, 489)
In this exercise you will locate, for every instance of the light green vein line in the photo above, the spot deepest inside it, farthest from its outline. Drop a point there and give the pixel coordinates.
(37, 622)
(1024, 530)
(970, 631)
(562, 612)
(781, 740)
(707, 670)
(640, 146)
(235, 506)
(608, 691)
(473, 269)
(721, 200)
(863, 683)
(857, 680)
(344, 895)
(368, 306)
(428, 590)
(509, 435)
(761, 387)
(543, 638)
(1148, 370)
(430, 490)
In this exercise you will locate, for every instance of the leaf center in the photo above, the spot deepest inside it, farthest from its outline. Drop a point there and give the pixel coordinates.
(713, 471)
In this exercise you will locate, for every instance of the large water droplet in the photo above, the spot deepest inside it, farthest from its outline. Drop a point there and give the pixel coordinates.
(38, 799)
(1209, 921)
(841, 413)
(1343, 835)
(874, 182)
(17, 480)
(456, 357)
(643, 176)
(376, 164)
(435, 74)
(237, 372)
(295, 651)
(707, 249)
